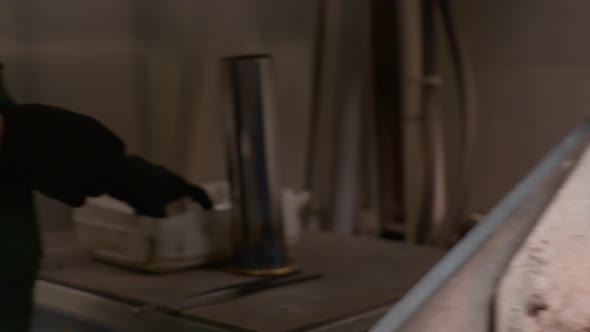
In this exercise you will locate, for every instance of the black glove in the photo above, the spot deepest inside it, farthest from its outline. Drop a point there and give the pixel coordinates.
(69, 156)
(64, 155)
(148, 188)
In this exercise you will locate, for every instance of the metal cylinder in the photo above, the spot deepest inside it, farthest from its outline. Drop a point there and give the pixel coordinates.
(251, 138)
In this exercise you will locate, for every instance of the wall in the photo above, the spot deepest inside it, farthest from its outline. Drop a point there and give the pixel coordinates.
(531, 60)
(150, 71)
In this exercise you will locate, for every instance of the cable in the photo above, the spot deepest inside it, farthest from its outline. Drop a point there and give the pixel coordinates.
(468, 106)
(435, 197)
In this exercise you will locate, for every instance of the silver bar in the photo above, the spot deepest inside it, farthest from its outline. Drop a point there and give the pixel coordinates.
(252, 151)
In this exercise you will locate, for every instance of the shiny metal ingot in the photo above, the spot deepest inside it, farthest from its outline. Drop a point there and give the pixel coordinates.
(258, 241)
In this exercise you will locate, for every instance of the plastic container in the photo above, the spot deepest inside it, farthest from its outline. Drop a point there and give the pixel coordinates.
(191, 237)
(114, 234)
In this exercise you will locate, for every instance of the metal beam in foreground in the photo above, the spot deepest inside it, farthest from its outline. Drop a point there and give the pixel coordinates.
(458, 293)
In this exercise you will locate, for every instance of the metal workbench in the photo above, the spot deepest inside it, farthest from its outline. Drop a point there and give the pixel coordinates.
(360, 279)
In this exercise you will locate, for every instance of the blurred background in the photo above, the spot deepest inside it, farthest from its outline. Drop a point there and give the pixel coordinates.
(406, 120)
(149, 70)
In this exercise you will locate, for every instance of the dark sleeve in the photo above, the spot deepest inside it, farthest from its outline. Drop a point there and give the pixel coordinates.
(64, 155)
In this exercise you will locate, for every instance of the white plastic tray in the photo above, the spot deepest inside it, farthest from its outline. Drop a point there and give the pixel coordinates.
(113, 233)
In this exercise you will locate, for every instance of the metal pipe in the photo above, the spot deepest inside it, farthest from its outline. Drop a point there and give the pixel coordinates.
(345, 208)
(470, 120)
(312, 213)
(252, 150)
(413, 126)
(435, 196)
(314, 107)
(387, 89)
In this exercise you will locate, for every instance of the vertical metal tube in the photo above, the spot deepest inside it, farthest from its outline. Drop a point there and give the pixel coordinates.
(259, 246)
(345, 210)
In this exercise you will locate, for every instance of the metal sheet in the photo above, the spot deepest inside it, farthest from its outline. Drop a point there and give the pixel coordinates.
(366, 270)
(103, 312)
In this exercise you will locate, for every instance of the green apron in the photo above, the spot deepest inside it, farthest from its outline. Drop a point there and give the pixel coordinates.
(20, 248)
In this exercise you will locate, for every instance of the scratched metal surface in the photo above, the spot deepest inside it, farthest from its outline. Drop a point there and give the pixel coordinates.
(359, 275)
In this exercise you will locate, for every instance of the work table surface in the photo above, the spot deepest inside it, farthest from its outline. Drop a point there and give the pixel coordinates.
(358, 276)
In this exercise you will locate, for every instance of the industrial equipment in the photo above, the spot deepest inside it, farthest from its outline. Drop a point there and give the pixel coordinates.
(468, 289)
(341, 278)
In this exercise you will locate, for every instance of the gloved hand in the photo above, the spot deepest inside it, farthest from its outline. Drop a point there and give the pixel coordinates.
(146, 187)
(69, 156)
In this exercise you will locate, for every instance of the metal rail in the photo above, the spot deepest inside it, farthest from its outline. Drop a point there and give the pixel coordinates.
(456, 295)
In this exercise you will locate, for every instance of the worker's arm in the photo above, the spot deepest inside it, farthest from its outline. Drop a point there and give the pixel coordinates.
(1, 128)
(69, 156)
